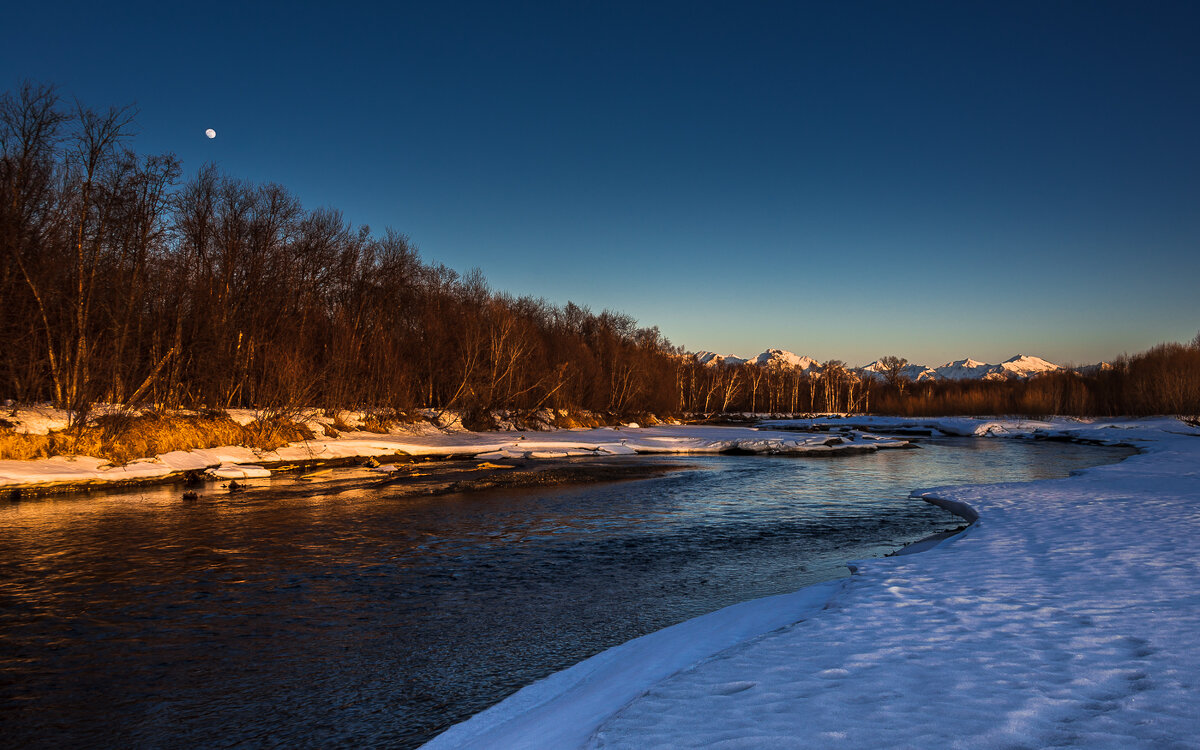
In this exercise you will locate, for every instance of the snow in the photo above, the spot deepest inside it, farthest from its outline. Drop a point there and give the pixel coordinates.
(562, 710)
(243, 416)
(964, 369)
(915, 373)
(784, 358)
(1019, 366)
(1024, 366)
(62, 469)
(228, 461)
(41, 419)
(37, 420)
(712, 359)
(1068, 614)
(777, 357)
(238, 471)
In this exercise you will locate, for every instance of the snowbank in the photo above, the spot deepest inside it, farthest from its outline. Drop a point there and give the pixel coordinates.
(1068, 614)
(562, 710)
(225, 462)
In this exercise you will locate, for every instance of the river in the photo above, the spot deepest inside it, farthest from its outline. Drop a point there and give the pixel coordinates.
(364, 618)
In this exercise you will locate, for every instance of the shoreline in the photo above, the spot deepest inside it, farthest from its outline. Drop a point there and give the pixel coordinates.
(20, 479)
(452, 476)
(611, 701)
(425, 478)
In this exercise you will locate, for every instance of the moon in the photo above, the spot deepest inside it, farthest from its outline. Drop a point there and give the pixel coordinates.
(211, 133)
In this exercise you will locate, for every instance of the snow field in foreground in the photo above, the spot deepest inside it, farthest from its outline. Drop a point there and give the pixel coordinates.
(1068, 615)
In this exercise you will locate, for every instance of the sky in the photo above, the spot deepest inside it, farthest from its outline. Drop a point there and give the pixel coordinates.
(843, 180)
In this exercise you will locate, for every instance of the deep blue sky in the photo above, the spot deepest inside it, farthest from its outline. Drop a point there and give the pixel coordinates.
(844, 180)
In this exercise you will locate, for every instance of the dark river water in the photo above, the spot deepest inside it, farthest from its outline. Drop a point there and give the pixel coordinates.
(363, 619)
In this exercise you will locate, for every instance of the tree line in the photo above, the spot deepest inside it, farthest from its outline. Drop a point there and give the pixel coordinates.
(775, 388)
(1162, 380)
(123, 282)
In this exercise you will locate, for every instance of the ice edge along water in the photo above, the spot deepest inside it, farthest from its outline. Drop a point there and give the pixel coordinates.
(1068, 614)
(237, 462)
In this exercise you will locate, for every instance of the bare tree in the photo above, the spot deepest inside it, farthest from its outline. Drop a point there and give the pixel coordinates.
(755, 377)
(115, 283)
(731, 385)
(31, 126)
(93, 151)
(892, 368)
(832, 378)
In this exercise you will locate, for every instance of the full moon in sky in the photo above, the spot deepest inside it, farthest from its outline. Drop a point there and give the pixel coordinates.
(211, 133)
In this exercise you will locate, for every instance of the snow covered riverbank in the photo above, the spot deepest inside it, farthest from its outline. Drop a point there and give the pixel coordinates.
(1068, 614)
(236, 462)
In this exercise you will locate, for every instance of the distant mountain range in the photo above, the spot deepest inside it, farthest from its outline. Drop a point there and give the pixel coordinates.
(1018, 367)
(770, 356)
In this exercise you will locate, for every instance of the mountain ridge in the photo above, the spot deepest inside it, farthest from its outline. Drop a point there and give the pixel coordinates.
(1017, 367)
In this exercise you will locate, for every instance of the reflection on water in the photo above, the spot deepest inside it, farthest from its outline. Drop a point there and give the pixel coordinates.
(368, 619)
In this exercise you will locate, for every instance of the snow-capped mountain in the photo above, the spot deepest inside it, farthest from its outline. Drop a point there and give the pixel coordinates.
(1023, 366)
(964, 369)
(1018, 367)
(777, 357)
(915, 373)
(784, 358)
(712, 359)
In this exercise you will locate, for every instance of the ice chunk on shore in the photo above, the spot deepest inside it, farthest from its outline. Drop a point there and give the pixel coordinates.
(238, 471)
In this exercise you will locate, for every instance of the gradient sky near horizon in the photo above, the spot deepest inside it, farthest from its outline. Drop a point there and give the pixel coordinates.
(844, 180)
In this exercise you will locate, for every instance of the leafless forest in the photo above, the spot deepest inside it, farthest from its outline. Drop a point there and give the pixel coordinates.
(123, 281)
